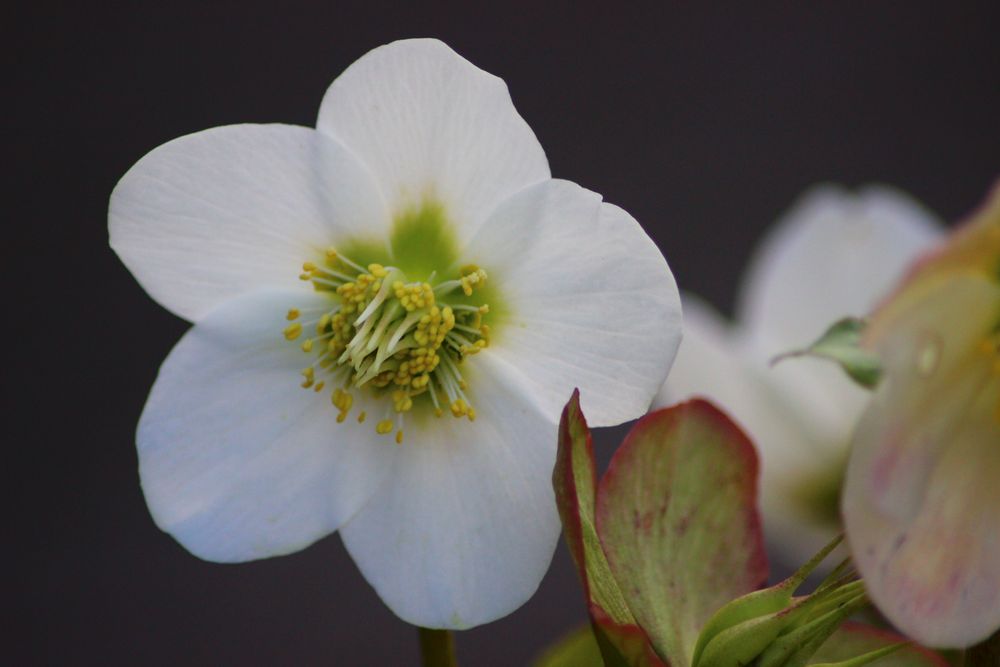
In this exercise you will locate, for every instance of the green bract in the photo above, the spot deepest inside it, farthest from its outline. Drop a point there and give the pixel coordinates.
(842, 343)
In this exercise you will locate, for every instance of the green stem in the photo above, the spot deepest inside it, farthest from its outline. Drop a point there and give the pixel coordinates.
(437, 648)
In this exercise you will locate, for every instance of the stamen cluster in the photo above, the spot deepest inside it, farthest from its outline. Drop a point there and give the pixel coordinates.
(401, 339)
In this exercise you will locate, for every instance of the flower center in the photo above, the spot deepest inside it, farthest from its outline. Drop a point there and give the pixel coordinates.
(402, 340)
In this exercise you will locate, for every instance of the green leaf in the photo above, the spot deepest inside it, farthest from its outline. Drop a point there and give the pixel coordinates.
(677, 517)
(842, 343)
(577, 649)
(621, 640)
(852, 640)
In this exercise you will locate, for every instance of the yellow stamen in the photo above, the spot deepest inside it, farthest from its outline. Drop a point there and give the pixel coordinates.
(402, 339)
(399, 437)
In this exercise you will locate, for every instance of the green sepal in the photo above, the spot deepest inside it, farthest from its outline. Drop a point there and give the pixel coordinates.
(865, 659)
(842, 343)
(797, 646)
(797, 629)
(758, 603)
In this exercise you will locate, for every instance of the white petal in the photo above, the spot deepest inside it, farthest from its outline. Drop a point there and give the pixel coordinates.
(239, 462)
(218, 213)
(464, 529)
(834, 254)
(592, 302)
(796, 466)
(430, 123)
(921, 495)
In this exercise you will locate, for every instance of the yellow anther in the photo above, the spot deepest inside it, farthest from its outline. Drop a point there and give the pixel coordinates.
(472, 276)
(305, 276)
(351, 338)
(399, 437)
(342, 399)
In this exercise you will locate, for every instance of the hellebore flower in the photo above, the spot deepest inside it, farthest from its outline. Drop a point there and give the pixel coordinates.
(369, 261)
(834, 254)
(921, 499)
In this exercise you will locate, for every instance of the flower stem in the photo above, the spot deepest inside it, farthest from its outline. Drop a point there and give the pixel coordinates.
(437, 648)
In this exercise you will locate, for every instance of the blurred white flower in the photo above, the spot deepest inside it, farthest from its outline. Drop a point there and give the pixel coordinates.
(426, 228)
(835, 253)
(922, 496)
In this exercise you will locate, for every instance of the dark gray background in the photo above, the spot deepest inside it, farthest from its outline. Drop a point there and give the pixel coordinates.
(705, 123)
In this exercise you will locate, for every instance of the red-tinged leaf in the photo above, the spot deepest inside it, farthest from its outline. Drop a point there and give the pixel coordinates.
(677, 517)
(623, 645)
(621, 640)
(854, 639)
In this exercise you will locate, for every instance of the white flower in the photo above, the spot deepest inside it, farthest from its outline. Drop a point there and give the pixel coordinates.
(922, 492)
(834, 254)
(423, 219)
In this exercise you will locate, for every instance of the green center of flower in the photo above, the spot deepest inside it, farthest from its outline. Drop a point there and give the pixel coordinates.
(402, 338)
